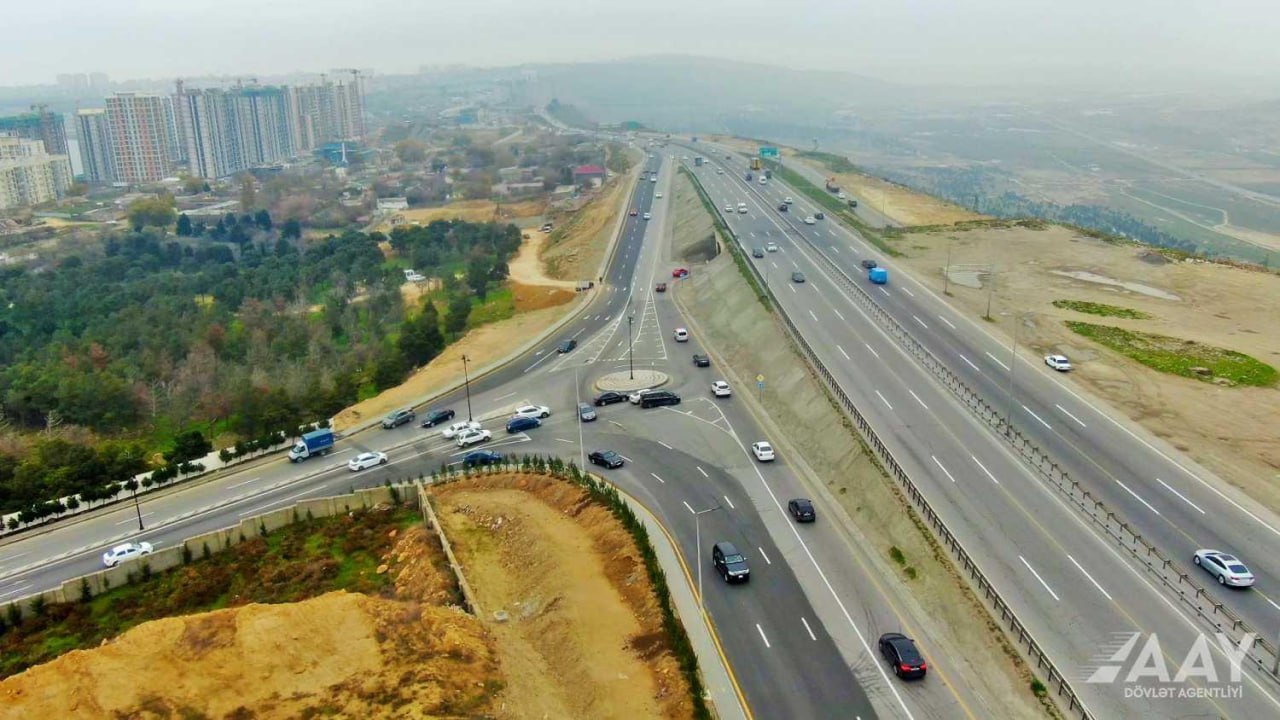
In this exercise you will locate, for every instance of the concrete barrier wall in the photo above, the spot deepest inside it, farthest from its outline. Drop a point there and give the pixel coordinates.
(429, 514)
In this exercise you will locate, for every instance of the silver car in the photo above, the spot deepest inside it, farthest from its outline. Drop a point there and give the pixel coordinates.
(1226, 568)
(586, 412)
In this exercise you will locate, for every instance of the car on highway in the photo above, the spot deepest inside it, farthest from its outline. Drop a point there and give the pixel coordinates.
(1058, 362)
(605, 458)
(719, 171)
(520, 424)
(658, 398)
(700, 360)
(902, 655)
(784, 207)
(658, 195)
(797, 277)
(481, 457)
(787, 200)
(453, 430)
(566, 346)
(471, 437)
(802, 510)
(634, 397)
(437, 416)
(634, 213)
(757, 253)
(819, 216)
(680, 273)
(728, 207)
(771, 247)
(742, 208)
(127, 551)
(533, 411)
(731, 564)
(721, 388)
(763, 451)
(842, 196)
(366, 460)
(810, 220)
(660, 287)
(868, 264)
(1226, 568)
(609, 397)
(586, 413)
(681, 335)
(763, 180)
(647, 216)
(398, 418)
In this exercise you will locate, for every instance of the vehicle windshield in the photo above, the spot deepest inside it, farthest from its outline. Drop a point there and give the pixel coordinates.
(734, 559)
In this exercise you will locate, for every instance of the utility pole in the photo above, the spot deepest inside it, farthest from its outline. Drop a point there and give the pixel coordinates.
(1013, 364)
(466, 379)
(991, 287)
(946, 274)
(582, 449)
(697, 531)
(630, 358)
(136, 506)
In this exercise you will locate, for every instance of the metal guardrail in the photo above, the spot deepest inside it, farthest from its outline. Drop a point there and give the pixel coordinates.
(1066, 696)
(1262, 652)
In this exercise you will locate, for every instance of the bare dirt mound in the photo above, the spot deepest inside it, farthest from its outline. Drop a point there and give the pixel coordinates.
(583, 636)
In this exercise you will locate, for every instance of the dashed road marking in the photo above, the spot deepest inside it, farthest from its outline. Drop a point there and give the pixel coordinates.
(1042, 582)
(943, 469)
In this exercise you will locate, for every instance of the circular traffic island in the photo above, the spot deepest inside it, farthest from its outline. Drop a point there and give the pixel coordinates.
(623, 382)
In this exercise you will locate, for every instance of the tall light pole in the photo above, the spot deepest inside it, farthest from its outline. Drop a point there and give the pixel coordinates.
(1013, 364)
(137, 507)
(630, 358)
(582, 449)
(697, 532)
(946, 273)
(466, 379)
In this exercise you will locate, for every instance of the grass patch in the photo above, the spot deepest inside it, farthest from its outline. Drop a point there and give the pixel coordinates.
(739, 257)
(1180, 357)
(1093, 308)
(836, 207)
(498, 304)
(299, 561)
(834, 163)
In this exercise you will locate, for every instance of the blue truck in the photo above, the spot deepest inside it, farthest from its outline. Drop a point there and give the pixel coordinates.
(878, 275)
(316, 442)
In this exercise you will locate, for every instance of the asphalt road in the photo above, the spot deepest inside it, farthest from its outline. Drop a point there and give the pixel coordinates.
(1071, 587)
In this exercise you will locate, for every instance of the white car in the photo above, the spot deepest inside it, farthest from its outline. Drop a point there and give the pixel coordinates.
(719, 171)
(842, 196)
(763, 180)
(127, 551)
(453, 430)
(1228, 569)
(787, 200)
(771, 247)
(681, 335)
(762, 450)
(657, 195)
(471, 437)
(810, 220)
(728, 207)
(1058, 362)
(366, 460)
(647, 216)
(720, 388)
(634, 398)
(742, 208)
(533, 411)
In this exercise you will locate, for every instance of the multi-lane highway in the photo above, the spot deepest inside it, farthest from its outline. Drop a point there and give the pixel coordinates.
(1072, 588)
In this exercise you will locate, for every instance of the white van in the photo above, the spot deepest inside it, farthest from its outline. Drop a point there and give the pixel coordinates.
(682, 335)
(763, 180)
(742, 208)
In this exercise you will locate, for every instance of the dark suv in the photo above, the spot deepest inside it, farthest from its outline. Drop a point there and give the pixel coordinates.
(903, 657)
(730, 563)
(658, 398)
(398, 418)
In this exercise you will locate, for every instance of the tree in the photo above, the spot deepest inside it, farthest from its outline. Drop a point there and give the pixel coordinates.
(292, 229)
(248, 192)
(190, 445)
(77, 189)
(420, 338)
(153, 211)
(193, 185)
(184, 225)
(459, 309)
(411, 150)
(263, 219)
(478, 276)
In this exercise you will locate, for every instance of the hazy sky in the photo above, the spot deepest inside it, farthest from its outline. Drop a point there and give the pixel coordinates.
(965, 41)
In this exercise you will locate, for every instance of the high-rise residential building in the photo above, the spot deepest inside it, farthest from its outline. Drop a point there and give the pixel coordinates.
(39, 124)
(99, 82)
(29, 175)
(143, 136)
(95, 146)
(73, 81)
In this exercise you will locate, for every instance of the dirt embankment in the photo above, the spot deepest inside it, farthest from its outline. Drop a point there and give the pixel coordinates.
(471, 211)
(337, 655)
(583, 636)
(1230, 430)
(577, 246)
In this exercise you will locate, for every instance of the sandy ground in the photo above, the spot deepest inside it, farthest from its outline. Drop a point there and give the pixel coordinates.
(900, 204)
(526, 267)
(340, 654)
(584, 634)
(1231, 430)
(750, 341)
(470, 210)
(576, 248)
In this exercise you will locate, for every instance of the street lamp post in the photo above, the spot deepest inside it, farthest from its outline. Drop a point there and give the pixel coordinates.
(946, 274)
(582, 449)
(697, 532)
(466, 379)
(630, 358)
(137, 507)
(1013, 364)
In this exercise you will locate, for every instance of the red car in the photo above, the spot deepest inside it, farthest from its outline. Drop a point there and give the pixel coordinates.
(660, 287)
(680, 272)
(634, 213)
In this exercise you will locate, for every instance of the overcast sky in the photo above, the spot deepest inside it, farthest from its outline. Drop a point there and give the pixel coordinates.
(953, 41)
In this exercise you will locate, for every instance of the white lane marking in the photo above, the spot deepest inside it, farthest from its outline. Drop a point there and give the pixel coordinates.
(873, 351)
(1042, 582)
(501, 397)
(704, 472)
(917, 318)
(948, 322)
(545, 355)
(1037, 417)
(762, 637)
(582, 330)
(655, 477)
(837, 312)
(134, 519)
(912, 295)
(665, 445)
(766, 557)
(731, 505)
(624, 457)
(969, 363)
(917, 397)
(939, 464)
(16, 590)
(842, 352)
(564, 441)
(246, 482)
(1136, 495)
(1095, 582)
(808, 629)
(996, 360)
(815, 317)
(985, 470)
(687, 505)
(258, 510)
(1073, 417)
(774, 264)
(833, 247)
(886, 402)
(1180, 495)
(793, 288)
(886, 292)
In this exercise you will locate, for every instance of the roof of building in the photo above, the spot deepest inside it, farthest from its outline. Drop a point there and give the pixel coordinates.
(589, 170)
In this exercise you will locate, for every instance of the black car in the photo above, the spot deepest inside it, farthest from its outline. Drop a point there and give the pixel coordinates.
(819, 216)
(783, 208)
(802, 510)
(797, 277)
(901, 654)
(606, 458)
(757, 253)
(657, 398)
(481, 457)
(398, 418)
(435, 417)
(519, 424)
(701, 361)
(567, 346)
(731, 564)
(868, 264)
(609, 397)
